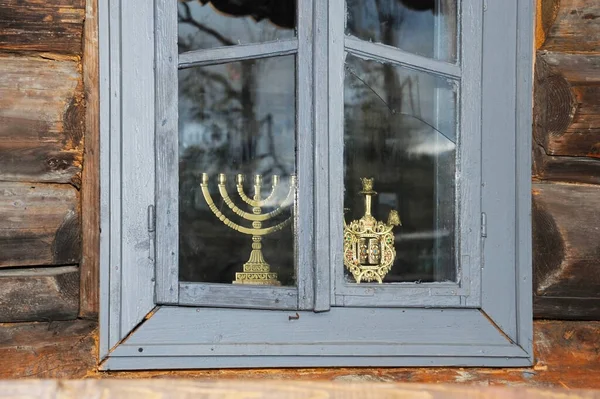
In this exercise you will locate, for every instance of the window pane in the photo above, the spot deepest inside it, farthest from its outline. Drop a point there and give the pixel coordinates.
(423, 27)
(216, 23)
(237, 118)
(399, 130)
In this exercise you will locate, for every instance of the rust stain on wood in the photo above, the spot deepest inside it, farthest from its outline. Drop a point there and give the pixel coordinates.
(546, 12)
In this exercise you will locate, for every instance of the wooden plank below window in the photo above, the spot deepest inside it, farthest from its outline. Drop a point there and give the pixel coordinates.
(566, 356)
(274, 390)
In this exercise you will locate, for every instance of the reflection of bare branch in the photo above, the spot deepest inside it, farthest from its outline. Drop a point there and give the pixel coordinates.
(188, 19)
(231, 92)
(183, 45)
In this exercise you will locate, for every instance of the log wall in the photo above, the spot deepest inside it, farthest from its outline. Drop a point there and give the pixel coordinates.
(566, 153)
(42, 126)
(48, 74)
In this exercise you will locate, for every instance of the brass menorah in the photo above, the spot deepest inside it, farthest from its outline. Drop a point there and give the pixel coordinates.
(256, 271)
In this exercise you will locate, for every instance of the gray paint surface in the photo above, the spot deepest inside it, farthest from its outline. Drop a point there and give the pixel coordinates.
(499, 169)
(180, 337)
(166, 153)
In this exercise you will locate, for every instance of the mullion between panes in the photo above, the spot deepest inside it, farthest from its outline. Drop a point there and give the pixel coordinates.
(395, 56)
(304, 213)
(241, 52)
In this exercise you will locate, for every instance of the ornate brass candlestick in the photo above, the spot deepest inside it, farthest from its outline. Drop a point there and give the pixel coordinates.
(256, 271)
(368, 243)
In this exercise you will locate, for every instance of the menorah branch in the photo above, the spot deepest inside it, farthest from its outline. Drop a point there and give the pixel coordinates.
(254, 217)
(256, 270)
(253, 202)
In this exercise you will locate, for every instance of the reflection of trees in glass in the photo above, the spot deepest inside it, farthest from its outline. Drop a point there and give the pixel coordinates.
(392, 134)
(424, 27)
(234, 118)
(222, 101)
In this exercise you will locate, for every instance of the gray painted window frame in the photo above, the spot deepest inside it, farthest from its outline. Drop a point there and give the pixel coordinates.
(136, 156)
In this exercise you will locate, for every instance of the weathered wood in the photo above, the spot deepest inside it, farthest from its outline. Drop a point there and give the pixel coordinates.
(39, 224)
(39, 294)
(41, 120)
(566, 308)
(567, 104)
(63, 349)
(566, 353)
(575, 28)
(90, 189)
(272, 390)
(566, 241)
(565, 169)
(40, 25)
(546, 12)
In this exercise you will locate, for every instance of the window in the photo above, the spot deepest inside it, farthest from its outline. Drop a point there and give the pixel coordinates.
(311, 183)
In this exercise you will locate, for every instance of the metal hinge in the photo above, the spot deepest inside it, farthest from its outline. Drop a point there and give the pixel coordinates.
(151, 231)
(483, 225)
(151, 219)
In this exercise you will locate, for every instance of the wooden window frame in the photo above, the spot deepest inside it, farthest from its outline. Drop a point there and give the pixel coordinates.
(485, 319)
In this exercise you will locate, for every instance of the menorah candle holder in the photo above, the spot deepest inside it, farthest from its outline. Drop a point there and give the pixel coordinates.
(369, 243)
(256, 271)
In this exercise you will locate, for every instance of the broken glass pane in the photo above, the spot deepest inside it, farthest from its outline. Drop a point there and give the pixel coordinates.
(400, 131)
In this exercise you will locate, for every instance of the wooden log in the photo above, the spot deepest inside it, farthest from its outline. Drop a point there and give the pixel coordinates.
(39, 25)
(40, 294)
(566, 308)
(567, 104)
(565, 169)
(63, 349)
(41, 120)
(566, 243)
(90, 190)
(272, 390)
(575, 28)
(39, 224)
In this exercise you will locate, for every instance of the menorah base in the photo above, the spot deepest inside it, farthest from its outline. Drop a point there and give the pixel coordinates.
(256, 278)
(256, 273)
